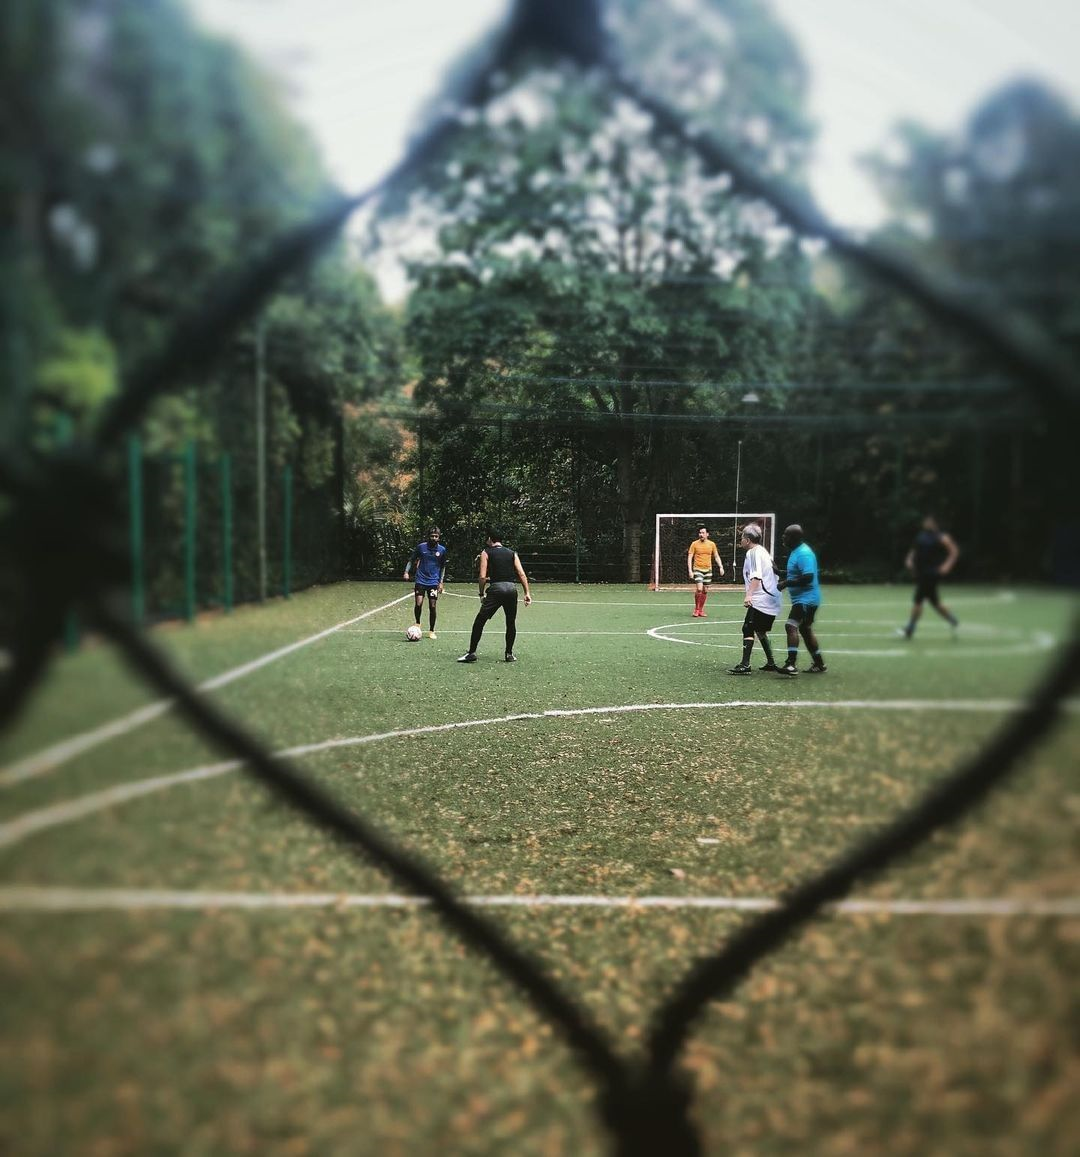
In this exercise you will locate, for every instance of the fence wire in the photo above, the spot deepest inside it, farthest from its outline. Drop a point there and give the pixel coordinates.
(67, 533)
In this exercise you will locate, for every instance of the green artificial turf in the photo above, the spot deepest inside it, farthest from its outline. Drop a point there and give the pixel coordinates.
(337, 1030)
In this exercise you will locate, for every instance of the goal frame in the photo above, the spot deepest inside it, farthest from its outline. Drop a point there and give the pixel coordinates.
(735, 518)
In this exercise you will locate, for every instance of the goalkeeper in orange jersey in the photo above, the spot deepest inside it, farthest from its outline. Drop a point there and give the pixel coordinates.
(699, 566)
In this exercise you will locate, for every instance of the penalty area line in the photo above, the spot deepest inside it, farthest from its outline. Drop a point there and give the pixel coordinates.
(65, 900)
(50, 758)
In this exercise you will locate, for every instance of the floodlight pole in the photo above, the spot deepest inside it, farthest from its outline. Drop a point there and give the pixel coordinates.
(735, 536)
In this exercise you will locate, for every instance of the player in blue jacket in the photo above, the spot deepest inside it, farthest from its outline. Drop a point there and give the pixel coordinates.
(429, 559)
(804, 587)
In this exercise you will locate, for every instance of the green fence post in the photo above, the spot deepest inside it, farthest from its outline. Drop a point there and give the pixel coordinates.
(135, 529)
(286, 560)
(226, 533)
(65, 433)
(575, 470)
(189, 531)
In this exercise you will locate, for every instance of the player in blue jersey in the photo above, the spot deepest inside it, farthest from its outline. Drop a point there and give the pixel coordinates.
(933, 554)
(429, 559)
(804, 588)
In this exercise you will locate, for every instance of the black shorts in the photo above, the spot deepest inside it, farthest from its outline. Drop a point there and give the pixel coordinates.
(926, 588)
(498, 595)
(423, 589)
(757, 622)
(801, 615)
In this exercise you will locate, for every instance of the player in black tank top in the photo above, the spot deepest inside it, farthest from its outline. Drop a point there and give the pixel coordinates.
(500, 573)
(932, 554)
(501, 565)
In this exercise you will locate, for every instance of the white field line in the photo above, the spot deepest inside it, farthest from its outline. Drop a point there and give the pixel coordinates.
(50, 758)
(1039, 641)
(36, 899)
(902, 601)
(29, 823)
(466, 631)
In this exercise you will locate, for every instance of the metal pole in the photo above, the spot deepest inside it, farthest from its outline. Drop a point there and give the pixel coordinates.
(189, 531)
(260, 451)
(575, 449)
(420, 456)
(286, 533)
(226, 533)
(978, 447)
(65, 434)
(735, 535)
(898, 485)
(136, 529)
(339, 487)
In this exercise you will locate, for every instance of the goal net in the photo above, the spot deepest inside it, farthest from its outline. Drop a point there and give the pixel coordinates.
(675, 532)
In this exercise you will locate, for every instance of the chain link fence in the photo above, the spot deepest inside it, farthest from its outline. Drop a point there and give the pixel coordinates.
(67, 529)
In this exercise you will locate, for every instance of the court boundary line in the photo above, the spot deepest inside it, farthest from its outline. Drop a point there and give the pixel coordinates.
(14, 831)
(64, 900)
(903, 603)
(50, 758)
(1039, 642)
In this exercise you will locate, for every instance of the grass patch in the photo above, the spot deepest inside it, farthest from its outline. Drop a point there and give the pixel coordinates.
(345, 1031)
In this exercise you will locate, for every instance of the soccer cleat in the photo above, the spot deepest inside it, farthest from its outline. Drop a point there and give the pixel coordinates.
(769, 666)
(741, 669)
(510, 657)
(817, 669)
(468, 657)
(788, 668)
(432, 635)
(904, 632)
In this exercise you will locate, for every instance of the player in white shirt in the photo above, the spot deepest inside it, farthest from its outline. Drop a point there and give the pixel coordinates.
(762, 600)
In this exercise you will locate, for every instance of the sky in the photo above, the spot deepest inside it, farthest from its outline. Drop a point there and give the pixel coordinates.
(358, 71)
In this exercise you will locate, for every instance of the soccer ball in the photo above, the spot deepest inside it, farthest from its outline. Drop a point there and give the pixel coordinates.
(414, 634)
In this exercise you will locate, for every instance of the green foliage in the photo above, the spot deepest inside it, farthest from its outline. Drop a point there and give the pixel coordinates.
(162, 160)
(993, 210)
(590, 274)
(79, 374)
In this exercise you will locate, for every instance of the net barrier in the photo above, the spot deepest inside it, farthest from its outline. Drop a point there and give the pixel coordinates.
(67, 530)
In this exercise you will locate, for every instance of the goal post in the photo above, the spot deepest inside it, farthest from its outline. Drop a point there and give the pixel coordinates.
(675, 532)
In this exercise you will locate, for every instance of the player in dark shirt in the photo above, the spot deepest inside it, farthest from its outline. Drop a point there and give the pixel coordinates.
(500, 573)
(932, 555)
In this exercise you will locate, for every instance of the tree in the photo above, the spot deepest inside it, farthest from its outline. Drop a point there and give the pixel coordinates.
(149, 160)
(590, 272)
(993, 209)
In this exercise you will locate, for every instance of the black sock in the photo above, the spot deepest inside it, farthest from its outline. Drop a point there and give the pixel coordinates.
(766, 646)
(747, 647)
(818, 659)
